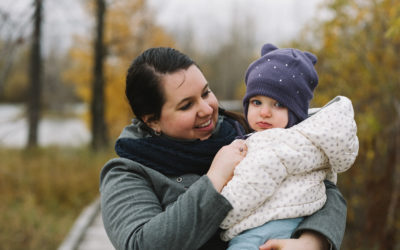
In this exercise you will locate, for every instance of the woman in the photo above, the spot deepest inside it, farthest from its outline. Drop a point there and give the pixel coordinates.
(164, 190)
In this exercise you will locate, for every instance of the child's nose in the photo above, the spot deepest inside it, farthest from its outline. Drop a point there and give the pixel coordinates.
(265, 111)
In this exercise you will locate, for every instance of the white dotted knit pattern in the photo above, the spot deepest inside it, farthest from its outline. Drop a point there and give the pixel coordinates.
(282, 174)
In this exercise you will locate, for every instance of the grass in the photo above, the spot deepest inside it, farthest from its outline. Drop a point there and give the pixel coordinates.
(42, 191)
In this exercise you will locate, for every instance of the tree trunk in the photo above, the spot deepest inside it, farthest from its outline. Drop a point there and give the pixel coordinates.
(34, 95)
(99, 129)
(389, 238)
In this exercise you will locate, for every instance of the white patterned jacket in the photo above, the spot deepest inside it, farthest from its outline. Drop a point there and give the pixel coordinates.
(283, 172)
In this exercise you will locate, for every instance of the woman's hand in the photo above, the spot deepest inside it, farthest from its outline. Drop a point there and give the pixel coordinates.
(308, 241)
(224, 163)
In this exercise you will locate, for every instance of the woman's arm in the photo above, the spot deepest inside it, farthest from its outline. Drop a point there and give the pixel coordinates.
(142, 211)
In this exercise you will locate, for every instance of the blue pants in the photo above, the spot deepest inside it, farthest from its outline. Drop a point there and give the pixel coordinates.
(255, 237)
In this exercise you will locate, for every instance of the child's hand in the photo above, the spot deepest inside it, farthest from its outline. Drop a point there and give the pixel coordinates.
(224, 163)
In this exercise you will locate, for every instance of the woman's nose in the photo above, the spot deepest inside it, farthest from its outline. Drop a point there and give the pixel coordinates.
(205, 108)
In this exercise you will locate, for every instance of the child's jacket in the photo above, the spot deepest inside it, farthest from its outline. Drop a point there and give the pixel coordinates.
(282, 174)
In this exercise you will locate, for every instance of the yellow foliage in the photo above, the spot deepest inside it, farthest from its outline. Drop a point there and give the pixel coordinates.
(240, 91)
(117, 112)
(394, 31)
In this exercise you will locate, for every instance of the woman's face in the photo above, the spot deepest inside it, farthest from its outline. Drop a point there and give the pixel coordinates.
(191, 109)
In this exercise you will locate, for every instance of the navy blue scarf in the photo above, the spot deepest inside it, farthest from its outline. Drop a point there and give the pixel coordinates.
(176, 157)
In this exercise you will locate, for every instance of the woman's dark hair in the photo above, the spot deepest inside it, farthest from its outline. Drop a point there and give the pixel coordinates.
(239, 117)
(143, 81)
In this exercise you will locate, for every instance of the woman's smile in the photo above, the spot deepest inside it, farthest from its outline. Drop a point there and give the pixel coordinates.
(206, 127)
(206, 124)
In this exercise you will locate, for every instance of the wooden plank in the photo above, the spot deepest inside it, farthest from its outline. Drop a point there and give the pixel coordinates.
(88, 231)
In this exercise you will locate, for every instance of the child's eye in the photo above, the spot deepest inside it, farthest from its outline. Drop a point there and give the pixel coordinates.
(279, 105)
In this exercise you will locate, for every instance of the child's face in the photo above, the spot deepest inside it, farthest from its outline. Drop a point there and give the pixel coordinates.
(265, 113)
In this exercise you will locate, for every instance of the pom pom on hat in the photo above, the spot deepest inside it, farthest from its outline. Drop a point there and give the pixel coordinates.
(286, 75)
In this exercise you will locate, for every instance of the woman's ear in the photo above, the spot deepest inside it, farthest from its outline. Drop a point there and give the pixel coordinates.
(152, 123)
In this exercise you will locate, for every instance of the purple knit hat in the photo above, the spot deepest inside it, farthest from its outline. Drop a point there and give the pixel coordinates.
(286, 75)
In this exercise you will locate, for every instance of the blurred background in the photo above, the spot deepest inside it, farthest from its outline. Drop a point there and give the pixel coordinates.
(62, 103)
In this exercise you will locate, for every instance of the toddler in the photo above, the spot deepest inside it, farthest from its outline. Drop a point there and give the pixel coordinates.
(281, 179)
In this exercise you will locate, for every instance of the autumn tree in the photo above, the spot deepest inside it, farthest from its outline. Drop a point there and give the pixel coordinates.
(99, 130)
(13, 36)
(358, 50)
(15, 58)
(129, 29)
(8, 54)
(14, 84)
(35, 73)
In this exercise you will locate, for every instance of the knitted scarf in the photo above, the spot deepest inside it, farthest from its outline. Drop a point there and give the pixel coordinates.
(176, 157)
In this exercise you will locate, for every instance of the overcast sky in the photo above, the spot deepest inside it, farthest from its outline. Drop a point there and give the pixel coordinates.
(275, 20)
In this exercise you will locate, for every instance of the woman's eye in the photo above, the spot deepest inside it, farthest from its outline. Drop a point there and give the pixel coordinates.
(205, 94)
(186, 106)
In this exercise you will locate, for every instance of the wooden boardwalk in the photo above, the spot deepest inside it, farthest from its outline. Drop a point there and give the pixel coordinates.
(88, 232)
